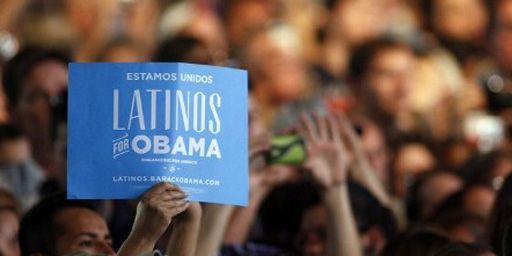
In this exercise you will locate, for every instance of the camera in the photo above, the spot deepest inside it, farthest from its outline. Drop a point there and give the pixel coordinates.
(287, 150)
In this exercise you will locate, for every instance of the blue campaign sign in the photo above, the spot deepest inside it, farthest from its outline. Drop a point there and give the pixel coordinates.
(132, 125)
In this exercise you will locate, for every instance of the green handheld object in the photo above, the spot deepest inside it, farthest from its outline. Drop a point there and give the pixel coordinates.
(287, 150)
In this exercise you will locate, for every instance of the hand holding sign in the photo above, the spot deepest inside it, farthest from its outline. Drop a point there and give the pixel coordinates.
(155, 210)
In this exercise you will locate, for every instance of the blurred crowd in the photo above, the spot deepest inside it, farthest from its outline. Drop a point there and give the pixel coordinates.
(404, 108)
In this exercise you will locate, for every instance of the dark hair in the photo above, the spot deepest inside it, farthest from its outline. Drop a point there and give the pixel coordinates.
(501, 232)
(17, 69)
(369, 212)
(452, 205)
(419, 242)
(504, 197)
(427, 9)
(449, 219)
(9, 132)
(176, 49)
(478, 166)
(38, 231)
(279, 225)
(330, 4)
(458, 248)
(363, 55)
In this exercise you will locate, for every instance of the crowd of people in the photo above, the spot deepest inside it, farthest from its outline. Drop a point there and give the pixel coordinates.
(404, 108)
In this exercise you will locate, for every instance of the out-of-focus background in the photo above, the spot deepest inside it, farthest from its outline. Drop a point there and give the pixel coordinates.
(426, 83)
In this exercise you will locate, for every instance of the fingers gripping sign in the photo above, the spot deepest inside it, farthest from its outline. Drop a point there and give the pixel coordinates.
(157, 207)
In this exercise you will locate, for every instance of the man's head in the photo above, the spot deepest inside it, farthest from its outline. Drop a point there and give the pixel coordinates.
(359, 21)
(273, 58)
(33, 77)
(185, 18)
(457, 20)
(35, 83)
(382, 71)
(183, 48)
(57, 226)
(243, 17)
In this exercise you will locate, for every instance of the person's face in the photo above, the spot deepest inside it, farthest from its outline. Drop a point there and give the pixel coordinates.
(9, 225)
(390, 79)
(208, 29)
(287, 75)
(503, 36)
(462, 20)
(244, 17)
(46, 80)
(361, 20)
(278, 71)
(83, 230)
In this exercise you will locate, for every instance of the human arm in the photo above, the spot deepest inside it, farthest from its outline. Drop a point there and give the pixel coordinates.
(328, 162)
(214, 220)
(155, 211)
(185, 232)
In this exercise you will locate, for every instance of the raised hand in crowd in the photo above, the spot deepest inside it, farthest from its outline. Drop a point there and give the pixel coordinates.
(328, 162)
(360, 169)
